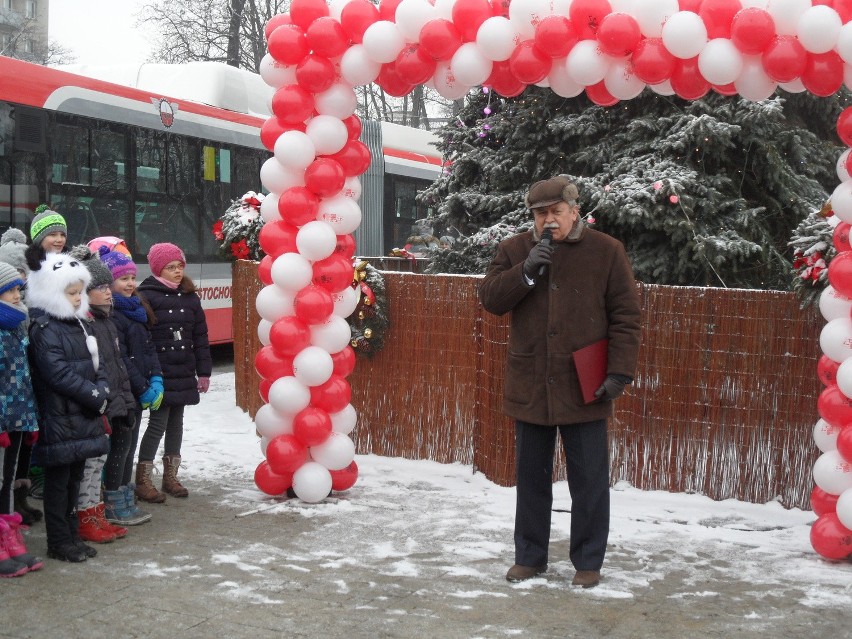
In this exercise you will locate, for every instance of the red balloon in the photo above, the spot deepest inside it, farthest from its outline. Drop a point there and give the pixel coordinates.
(827, 370)
(334, 273)
(687, 80)
(289, 335)
(652, 62)
(292, 104)
(353, 126)
(344, 361)
(752, 30)
(274, 22)
(270, 131)
(844, 126)
(285, 454)
(503, 81)
(304, 12)
(844, 9)
(784, 59)
(391, 82)
(327, 37)
(288, 44)
(311, 426)
(333, 395)
(271, 482)
(822, 502)
(387, 10)
(844, 442)
(414, 65)
(345, 246)
(440, 38)
(298, 205)
(599, 94)
(840, 273)
(313, 304)
(830, 538)
(840, 236)
(263, 389)
(278, 237)
(555, 36)
(500, 8)
(264, 269)
(271, 365)
(528, 64)
(356, 18)
(586, 16)
(345, 478)
(315, 73)
(354, 158)
(468, 16)
(618, 34)
(823, 74)
(689, 5)
(718, 15)
(725, 89)
(834, 407)
(325, 177)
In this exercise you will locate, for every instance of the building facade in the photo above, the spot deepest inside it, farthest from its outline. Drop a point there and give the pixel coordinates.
(23, 29)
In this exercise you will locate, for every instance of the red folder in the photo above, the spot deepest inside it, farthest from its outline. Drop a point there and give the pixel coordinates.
(590, 362)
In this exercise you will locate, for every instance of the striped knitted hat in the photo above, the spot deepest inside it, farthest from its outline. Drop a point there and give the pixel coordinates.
(9, 277)
(46, 222)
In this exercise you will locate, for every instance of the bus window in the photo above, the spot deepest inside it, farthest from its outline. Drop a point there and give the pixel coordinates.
(150, 160)
(246, 171)
(70, 155)
(182, 168)
(402, 210)
(167, 222)
(109, 159)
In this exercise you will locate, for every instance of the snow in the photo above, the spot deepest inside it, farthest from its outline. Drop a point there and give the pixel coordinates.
(439, 519)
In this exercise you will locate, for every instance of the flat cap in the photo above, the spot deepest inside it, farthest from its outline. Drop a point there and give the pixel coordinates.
(547, 192)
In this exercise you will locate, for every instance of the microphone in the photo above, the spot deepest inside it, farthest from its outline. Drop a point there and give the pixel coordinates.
(546, 239)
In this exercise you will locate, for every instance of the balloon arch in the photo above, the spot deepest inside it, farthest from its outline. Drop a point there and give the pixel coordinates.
(612, 50)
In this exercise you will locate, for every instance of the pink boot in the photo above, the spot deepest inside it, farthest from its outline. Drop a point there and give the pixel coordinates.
(13, 542)
(8, 566)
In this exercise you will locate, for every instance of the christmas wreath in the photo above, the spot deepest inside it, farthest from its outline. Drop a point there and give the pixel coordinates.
(238, 228)
(813, 249)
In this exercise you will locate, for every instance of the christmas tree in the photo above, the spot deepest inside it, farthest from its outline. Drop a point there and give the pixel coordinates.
(701, 193)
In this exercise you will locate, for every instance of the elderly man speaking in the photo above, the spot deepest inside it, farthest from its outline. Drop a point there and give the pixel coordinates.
(568, 287)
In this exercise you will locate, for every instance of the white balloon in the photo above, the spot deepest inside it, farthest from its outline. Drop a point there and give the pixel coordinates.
(345, 301)
(335, 453)
(288, 396)
(496, 38)
(263, 328)
(844, 377)
(834, 305)
(794, 86)
(358, 68)
(841, 201)
(277, 178)
(842, 173)
(622, 82)
(847, 76)
(843, 508)
(832, 473)
(526, 14)
(272, 303)
(313, 366)
(825, 435)
(786, 14)
(295, 150)
(269, 207)
(818, 29)
(844, 42)
(835, 339)
(344, 421)
(753, 83)
(586, 64)
(720, 62)
(444, 9)
(561, 83)
(652, 15)
(447, 84)
(663, 88)
(383, 41)
(684, 34)
(316, 241)
(335, 8)
(327, 133)
(275, 74)
(270, 422)
(338, 101)
(291, 272)
(333, 335)
(410, 17)
(264, 444)
(351, 187)
(341, 213)
(312, 482)
(469, 64)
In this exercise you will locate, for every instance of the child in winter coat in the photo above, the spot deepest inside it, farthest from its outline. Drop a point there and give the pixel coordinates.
(49, 233)
(180, 337)
(131, 318)
(72, 394)
(17, 417)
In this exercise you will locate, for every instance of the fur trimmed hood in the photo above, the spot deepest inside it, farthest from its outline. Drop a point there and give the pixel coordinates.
(46, 286)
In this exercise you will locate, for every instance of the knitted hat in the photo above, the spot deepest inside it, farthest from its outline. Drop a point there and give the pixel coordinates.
(46, 222)
(9, 277)
(118, 263)
(547, 192)
(99, 271)
(46, 286)
(13, 243)
(161, 254)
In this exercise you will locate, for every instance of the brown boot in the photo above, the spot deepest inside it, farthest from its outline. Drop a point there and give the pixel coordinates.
(171, 485)
(145, 489)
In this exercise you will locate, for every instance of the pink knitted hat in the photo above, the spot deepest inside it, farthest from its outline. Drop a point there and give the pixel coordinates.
(161, 254)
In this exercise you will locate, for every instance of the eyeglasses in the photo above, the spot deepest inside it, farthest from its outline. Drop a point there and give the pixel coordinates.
(103, 288)
(174, 268)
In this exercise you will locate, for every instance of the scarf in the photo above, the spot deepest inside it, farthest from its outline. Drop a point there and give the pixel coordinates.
(131, 307)
(11, 315)
(165, 282)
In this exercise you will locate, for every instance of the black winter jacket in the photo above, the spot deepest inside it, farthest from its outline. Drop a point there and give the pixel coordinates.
(69, 391)
(122, 401)
(138, 352)
(180, 337)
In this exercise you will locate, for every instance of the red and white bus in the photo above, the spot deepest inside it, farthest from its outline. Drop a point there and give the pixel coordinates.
(151, 165)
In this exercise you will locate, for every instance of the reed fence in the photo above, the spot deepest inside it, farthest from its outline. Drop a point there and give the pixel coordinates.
(723, 404)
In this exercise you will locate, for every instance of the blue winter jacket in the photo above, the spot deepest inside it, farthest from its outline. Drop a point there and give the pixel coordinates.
(17, 401)
(137, 350)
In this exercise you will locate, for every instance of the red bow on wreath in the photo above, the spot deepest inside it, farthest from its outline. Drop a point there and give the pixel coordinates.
(251, 200)
(811, 266)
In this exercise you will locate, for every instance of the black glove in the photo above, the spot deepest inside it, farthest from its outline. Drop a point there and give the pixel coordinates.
(540, 255)
(612, 387)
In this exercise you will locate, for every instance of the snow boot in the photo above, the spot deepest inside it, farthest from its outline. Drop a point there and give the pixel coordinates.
(118, 512)
(13, 542)
(91, 528)
(145, 489)
(171, 485)
(118, 531)
(29, 514)
(130, 497)
(67, 552)
(8, 567)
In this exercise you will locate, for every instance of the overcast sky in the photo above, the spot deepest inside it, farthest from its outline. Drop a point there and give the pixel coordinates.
(99, 31)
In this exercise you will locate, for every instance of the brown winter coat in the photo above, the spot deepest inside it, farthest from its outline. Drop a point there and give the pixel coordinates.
(586, 294)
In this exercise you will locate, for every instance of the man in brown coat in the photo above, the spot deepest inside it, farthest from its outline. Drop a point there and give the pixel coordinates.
(567, 286)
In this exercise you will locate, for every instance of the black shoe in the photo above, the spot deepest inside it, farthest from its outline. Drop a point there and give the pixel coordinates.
(67, 552)
(86, 549)
(29, 515)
